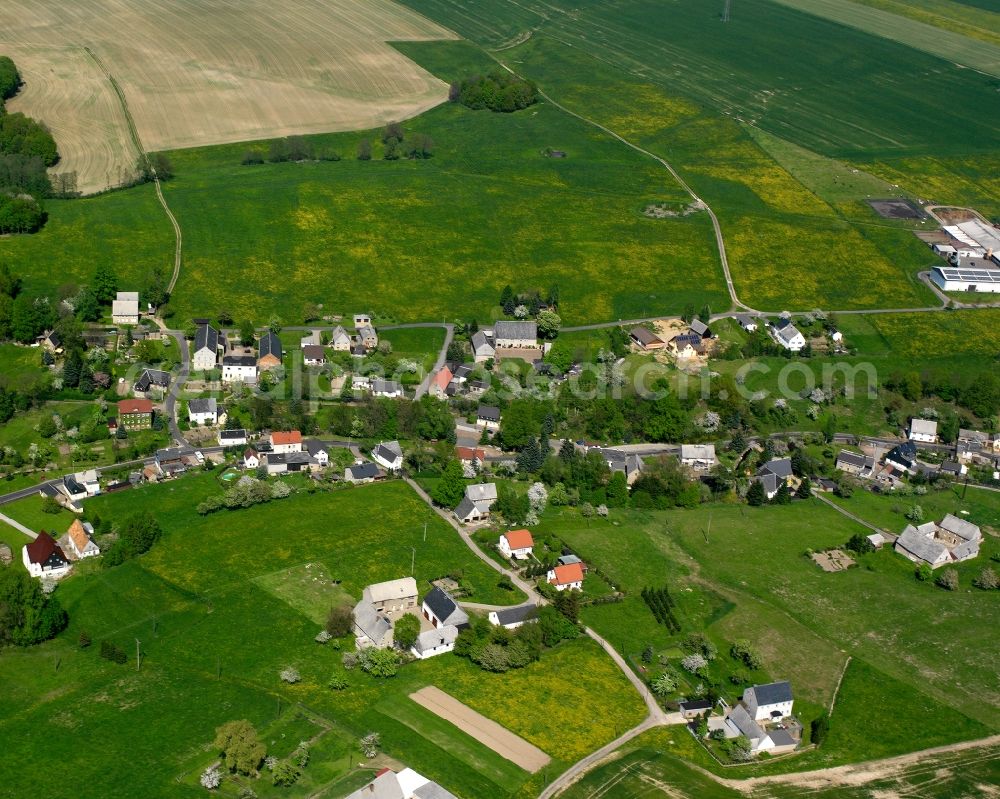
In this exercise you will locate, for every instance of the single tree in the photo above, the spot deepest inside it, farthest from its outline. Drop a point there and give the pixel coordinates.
(240, 747)
(406, 630)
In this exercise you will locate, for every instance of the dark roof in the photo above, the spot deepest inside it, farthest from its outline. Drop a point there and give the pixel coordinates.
(226, 434)
(44, 550)
(54, 338)
(516, 614)
(72, 486)
(951, 466)
(465, 507)
(152, 377)
(852, 458)
(206, 337)
(488, 412)
(363, 471)
(780, 467)
(440, 603)
(773, 693)
(700, 328)
(314, 352)
(694, 704)
(239, 360)
(314, 447)
(508, 329)
(905, 453)
(269, 344)
(645, 337)
(288, 457)
(687, 338)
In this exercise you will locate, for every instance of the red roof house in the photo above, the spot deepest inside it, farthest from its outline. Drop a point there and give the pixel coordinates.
(568, 576)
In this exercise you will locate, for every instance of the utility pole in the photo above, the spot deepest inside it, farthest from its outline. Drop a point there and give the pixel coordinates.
(425, 532)
(137, 654)
(726, 10)
(413, 559)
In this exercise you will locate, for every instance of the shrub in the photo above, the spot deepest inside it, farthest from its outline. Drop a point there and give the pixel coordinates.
(370, 744)
(924, 572)
(948, 579)
(379, 662)
(211, 778)
(290, 674)
(745, 652)
(338, 682)
(987, 580)
(664, 684)
(284, 774)
(406, 630)
(819, 728)
(339, 621)
(694, 663)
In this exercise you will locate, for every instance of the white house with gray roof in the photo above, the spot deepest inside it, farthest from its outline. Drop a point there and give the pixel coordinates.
(339, 340)
(388, 455)
(924, 430)
(203, 411)
(512, 618)
(476, 503)
(951, 540)
(482, 347)
(773, 474)
(770, 702)
(125, 308)
(628, 463)
(387, 388)
(515, 334)
(372, 627)
(434, 642)
(700, 457)
(441, 610)
(206, 348)
(788, 336)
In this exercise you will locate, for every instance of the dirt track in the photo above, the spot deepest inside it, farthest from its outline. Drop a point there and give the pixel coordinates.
(487, 732)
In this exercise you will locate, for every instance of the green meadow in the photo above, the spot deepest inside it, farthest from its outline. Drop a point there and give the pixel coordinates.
(223, 603)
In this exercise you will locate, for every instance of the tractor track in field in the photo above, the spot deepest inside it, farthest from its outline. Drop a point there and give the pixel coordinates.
(141, 152)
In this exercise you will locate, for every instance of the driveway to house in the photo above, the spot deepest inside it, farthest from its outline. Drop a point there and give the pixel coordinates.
(178, 381)
(18, 526)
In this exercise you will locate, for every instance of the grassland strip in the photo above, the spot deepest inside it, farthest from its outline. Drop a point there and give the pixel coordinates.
(719, 240)
(954, 47)
(137, 142)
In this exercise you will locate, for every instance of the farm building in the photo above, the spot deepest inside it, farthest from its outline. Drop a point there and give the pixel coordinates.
(512, 618)
(969, 277)
(951, 540)
(442, 611)
(646, 339)
(510, 334)
(125, 308)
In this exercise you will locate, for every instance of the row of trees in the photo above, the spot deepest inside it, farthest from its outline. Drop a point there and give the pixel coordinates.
(661, 605)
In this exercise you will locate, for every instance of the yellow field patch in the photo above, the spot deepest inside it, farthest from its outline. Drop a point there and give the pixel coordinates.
(917, 335)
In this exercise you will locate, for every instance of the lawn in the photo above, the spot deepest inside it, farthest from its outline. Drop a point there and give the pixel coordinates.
(420, 344)
(20, 367)
(215, 608)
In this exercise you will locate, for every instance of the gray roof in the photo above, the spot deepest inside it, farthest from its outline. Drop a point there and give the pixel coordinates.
(769, 481)
(743, 721)
(781, 737)
(514, 330)
(920, 545)
(488, 412)
(684, 339)
(465, 508)
(235, 434)
(952, 467)
(431, 790)
(787, 331)
(239, 360)
(479, 492)
(853, 458)
(386, 386)
(389, 451)
(780, 467)
(152, 377)
(772, 693)
(695, 704)
(960, 528)
(289, 458)
(269, 344)
(445, 608)
(338, 334)
(925, 427)
(204, 405)
(565, 560)
(745, 319)
(314, 447)
(436, 637)
(206, 337)
(363, 471)
(516, 614)
(973, 436)
(370, 621)
(391, 589)
(699, 327)
(904, 454)
(480, 341)
(699, 452)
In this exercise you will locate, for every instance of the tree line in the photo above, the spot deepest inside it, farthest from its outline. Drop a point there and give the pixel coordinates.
(27, 149)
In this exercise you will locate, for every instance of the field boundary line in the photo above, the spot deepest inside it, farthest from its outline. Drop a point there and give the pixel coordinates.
(137, 143)
(836, 691)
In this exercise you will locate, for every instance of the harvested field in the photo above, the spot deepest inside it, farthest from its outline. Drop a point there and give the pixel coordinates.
(210, 73)
(488, 732)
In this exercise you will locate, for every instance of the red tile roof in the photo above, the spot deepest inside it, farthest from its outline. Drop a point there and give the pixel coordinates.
(468, 453)
(41, 549)
(78, 535)
(286, 437)
(135, 406)
(442, 378)
(519, 539)
(570, 573)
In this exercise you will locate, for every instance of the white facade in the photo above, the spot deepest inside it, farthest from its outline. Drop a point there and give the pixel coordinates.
(979, 279)
(125, 308)
(239, 372)
(435, 642)
(520, 552)
(923, 430)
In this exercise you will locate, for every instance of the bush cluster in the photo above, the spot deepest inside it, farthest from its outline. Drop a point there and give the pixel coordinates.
(661, 605)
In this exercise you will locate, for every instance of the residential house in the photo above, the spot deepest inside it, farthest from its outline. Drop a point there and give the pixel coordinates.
(51, 341)
(512, 618)
(788, 336)
(125, 308)
(691, 709)
(362, 319)
(517, 334)
(741, 722)
(372, 627)
(482, 347)
(954, 468)
(269, 352)
(686, 345)
(367, 337)
(72, 488)
(135, 414)
(902, 456)
(952, 540)
(151, 379)
(282, 462)
(747, 322)
(407, 784)
(283, 441)
(700, 457)
(80, 542)
(361, 473)
(43, 557)
(203, 411)
(835, 335)
(318, 451)
(699, 328)
(251, 458)
(770, 702)
(439, 382)
(388, 455)
(239, 369)
(387, 388)
(476, 503)
(313, 355)
(174, 461)
(567, 560)
(206, 348)
(392, 596)
(339, 340)
(488, 417)
(435, 642)
(566, 577)
(853, 463)
(470, 456)
(923, 430)
(646, 339)
(517, 544)
(628, 463)
(233, 438)
(773, 474)
(972, 444)
(87, 481)
(441, 610)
